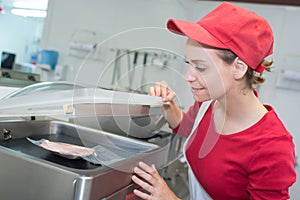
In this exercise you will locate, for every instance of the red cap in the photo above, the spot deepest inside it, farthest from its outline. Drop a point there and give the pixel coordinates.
(228, 26)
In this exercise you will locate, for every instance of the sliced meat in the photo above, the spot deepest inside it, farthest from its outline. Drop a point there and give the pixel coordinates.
(67, 149)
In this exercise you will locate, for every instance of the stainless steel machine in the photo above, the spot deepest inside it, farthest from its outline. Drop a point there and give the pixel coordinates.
(130, 125)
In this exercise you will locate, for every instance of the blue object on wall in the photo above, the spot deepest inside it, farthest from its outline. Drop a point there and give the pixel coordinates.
(49, 57)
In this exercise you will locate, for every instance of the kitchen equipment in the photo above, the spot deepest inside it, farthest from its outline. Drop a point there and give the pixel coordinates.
(119, 112)
(15, 78)
(49, 57)
(132, 71)
(31, 172)
(143, 73)
(7, 60)
(116, 72)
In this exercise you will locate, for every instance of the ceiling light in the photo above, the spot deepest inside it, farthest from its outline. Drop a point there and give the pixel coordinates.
(30, 4)
(28, 12)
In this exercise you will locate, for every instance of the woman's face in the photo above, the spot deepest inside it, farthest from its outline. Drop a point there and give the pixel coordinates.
(207, 74)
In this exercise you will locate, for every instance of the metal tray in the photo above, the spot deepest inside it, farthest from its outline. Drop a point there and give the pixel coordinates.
(68, 133)
(22, 145)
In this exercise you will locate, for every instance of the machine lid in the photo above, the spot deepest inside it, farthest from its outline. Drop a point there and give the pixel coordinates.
(69, 100)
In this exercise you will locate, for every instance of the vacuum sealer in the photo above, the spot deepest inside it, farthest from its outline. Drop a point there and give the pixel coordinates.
(130, 125)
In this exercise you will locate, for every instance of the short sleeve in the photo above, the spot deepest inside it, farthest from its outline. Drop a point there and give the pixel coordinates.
(271, 170)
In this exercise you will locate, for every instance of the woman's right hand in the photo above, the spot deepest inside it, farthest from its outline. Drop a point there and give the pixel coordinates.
(161, 89)
(173, 114)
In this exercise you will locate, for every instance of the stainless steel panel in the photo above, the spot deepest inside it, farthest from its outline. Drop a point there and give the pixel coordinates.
(25, 175)
(131, 120)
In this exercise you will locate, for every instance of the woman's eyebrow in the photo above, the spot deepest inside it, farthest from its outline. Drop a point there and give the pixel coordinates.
(194, 60)
(197, 61)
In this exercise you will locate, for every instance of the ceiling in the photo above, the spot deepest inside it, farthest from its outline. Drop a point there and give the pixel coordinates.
(272, 2)
(9, 3)
(43, 3)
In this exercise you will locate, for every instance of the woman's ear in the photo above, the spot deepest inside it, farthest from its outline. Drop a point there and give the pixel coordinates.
(239, 68)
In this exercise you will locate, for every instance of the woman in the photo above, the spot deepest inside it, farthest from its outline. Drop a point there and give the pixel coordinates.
(240, 149)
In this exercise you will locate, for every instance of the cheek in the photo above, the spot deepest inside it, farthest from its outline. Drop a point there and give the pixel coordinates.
(213, 79)
(217, 85)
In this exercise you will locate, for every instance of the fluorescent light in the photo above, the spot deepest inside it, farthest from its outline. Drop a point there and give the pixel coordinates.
(28, 12)
(32, 4)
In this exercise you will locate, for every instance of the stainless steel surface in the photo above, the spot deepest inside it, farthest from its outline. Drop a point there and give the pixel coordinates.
(131, 120)
(28, 175)
(118, 112)
(126, 124)
(43, 87)
(14, 78)
(139, 126)
(176, 177)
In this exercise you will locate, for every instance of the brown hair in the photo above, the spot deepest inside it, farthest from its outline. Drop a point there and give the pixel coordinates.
(252, 77)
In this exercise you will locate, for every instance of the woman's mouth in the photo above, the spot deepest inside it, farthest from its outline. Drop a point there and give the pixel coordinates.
(196, 90)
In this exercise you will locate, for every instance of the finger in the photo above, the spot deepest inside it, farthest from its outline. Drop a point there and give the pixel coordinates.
(142, 184)
(141, 194)
(148, 169)
(152, 91)
(157, 89)
(155, 171)
(143, 175)
(164, 92)
(167, 93)
(171, 95)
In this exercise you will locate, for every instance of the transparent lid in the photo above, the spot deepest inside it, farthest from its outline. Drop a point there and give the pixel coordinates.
(43, 87)
(61, 98)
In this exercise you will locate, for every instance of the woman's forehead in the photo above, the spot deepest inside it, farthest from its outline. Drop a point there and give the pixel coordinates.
(196, 51)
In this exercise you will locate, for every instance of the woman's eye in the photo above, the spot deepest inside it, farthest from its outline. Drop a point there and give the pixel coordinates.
(200, 69)
(197, 67)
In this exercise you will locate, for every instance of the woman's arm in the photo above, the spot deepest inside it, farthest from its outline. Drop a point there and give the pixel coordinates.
(171, 111)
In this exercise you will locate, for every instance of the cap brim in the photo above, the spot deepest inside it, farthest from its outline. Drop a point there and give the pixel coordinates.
(195, 32)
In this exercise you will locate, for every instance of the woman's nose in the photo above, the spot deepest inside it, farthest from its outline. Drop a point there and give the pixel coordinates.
(189, 75)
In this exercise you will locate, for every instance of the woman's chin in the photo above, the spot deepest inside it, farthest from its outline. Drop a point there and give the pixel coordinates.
(201, 98)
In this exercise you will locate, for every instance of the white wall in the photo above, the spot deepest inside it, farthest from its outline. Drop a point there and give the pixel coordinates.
(20, 35)
(130, 24)
(108, 18)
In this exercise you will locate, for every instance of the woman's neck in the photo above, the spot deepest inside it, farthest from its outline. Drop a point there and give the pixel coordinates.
(234, 113)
